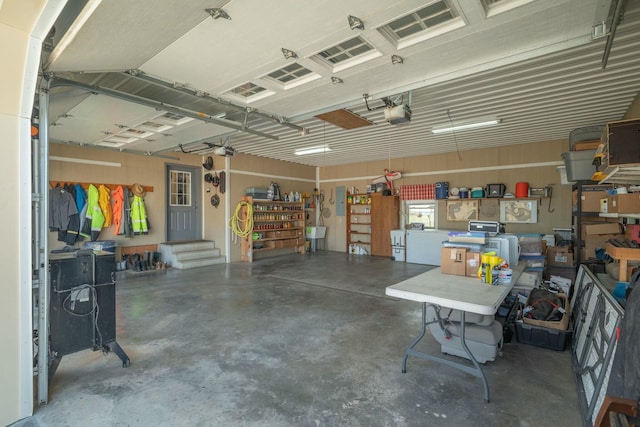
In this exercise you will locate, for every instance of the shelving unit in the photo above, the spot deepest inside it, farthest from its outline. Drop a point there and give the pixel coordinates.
(359, 223)
(578, 215)
(370, 219)
(276, 226)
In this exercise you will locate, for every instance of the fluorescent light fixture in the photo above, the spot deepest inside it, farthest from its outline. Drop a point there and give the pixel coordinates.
(312, 150)
(456, 126)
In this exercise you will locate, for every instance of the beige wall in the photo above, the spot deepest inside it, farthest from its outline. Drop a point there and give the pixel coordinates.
(145, 170)
(634, 109)
(532, 163)
(245, 171)
(250, 171)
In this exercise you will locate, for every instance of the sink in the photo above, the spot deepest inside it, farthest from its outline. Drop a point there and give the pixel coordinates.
(316, 232)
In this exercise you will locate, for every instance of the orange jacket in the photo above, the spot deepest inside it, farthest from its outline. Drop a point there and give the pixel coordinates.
(117, 201)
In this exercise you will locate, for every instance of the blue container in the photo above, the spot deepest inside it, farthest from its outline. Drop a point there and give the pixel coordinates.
(442, 190)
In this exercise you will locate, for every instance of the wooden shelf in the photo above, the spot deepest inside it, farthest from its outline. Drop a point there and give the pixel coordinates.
(269, 239)
(280, 238)
(620, 215)
(384, 216)
(85, 185)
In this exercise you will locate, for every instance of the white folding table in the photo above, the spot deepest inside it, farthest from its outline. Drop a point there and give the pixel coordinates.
(467, 294)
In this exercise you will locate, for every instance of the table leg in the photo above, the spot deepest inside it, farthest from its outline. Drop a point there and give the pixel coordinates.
(418, 338)
(475, 370)
(481, 374)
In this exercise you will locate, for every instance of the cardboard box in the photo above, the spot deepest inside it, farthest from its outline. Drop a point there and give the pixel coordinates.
(586, 145)
(561, 325)
(454, 261)
(473, 264)
(602, 228)
(591, 200)
(624, 203)
(559, 256)
(591, 242)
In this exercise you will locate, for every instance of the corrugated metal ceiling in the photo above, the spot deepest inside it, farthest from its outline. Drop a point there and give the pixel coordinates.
(540, 85)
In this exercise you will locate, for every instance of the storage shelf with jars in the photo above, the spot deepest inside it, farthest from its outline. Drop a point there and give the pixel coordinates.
(276, 226)
(370, 218)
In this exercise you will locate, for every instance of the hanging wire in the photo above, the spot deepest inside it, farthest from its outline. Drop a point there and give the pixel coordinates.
(455, 139)
(389, 146)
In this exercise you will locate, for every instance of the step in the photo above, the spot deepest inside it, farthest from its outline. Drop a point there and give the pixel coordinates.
(202, 262)
(190, 254)
(176, 247)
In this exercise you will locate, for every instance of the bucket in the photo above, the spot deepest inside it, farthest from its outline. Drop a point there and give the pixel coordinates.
(504, 276)
(442, 190)
(464, 193)
(522, 189)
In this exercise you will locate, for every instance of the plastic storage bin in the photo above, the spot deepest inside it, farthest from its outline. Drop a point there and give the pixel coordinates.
(554, 339)
(579, 164)
(530, 245)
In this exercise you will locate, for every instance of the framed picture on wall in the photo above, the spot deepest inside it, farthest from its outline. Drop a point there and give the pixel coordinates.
(462, 210)
(519, 211)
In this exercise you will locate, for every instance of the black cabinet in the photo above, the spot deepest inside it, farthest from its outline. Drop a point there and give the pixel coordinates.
(82, 304)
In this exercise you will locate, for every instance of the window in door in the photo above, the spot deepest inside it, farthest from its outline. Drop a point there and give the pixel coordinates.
(180, 188)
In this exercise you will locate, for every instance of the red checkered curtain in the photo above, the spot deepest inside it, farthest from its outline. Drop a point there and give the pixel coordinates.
(418, 192)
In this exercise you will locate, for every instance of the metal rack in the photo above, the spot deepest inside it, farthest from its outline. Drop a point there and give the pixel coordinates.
(577, 218)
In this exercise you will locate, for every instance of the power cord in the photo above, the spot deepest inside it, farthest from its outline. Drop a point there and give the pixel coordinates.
(69, 303)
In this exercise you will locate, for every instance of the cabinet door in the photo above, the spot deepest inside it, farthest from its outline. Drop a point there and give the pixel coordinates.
(385, 211)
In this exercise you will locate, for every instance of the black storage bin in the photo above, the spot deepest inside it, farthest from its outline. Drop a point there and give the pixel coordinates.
(495, 190)
(554, 339)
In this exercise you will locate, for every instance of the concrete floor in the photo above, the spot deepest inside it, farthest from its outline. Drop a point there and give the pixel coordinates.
(300, 340)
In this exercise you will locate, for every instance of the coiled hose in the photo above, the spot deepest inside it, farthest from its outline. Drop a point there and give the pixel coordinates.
(242, 227)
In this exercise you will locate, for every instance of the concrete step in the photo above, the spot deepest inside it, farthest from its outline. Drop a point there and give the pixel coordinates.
(205, 253)
(195, 245)
(191, 254)
(200, 262)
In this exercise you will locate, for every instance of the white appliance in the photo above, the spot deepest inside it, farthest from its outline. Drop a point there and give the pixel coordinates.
(398, 114)
(424, 246)
(398, 245)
